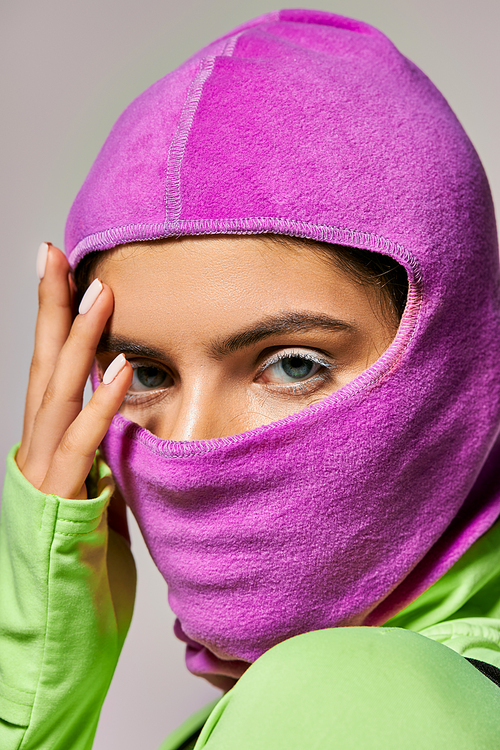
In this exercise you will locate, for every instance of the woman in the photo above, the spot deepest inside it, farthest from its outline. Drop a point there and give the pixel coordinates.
(301, 463)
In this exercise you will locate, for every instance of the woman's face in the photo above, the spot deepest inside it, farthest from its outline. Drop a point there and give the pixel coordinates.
(226, 334)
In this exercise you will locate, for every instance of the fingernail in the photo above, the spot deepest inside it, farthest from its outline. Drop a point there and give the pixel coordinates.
(41, 260)
(113, 369)
(90, 297)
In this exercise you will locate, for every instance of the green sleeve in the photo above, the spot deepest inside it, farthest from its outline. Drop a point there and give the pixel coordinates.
(350, 688)
(67, 586)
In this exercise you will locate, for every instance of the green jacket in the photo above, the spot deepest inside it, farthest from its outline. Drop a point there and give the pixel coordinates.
(67, 586)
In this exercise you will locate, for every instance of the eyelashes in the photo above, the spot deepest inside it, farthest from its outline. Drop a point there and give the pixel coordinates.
(288, 372)
(148, 382)
(295, 372)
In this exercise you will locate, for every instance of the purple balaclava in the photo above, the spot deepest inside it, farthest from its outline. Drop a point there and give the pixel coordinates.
(310, 124)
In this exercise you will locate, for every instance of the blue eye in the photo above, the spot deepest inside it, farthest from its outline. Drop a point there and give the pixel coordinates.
(288, 368)
(148, 378)
(297, 368)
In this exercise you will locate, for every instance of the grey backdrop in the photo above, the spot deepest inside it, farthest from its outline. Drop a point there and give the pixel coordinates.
(68, 69)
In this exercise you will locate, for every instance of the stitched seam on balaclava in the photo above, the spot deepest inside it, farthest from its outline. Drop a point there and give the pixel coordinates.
(245, 225)
(173, 199)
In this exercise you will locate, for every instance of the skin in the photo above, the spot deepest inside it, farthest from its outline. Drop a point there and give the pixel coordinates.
(221, 334)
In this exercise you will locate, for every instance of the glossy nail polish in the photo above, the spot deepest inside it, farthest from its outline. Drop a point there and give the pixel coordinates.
(113, 369)
(90, 297)
(41, 260)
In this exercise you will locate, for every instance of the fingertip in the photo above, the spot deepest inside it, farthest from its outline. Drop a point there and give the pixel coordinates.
(90, 297)
(117, 378)
(107, 298)
(58, 258)
(99, 295)
(41, 259)
(114, 369)
(114, 384)
(107, 292)
(51, 259)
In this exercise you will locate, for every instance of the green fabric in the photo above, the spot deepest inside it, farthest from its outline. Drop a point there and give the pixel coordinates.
(182, 737)
(342, 688)
(351, 688)
(470, 589)
(66, 600)
(462, 609)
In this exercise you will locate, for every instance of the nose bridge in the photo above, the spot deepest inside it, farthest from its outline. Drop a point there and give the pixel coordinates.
(198, 415)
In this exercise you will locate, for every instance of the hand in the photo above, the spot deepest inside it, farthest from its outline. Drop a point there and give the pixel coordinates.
(59, 437)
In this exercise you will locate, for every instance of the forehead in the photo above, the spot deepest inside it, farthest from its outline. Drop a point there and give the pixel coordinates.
(215, 285)
(210, 265)
(218, 268)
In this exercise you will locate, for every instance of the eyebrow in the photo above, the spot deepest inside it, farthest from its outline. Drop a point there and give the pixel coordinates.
(113, 344)
(276, 325)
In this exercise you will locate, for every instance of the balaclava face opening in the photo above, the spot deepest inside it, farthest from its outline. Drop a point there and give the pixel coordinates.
(309, 124)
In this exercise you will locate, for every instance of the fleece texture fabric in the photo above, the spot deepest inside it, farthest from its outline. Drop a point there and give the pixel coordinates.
(310, 124)
(60, 556)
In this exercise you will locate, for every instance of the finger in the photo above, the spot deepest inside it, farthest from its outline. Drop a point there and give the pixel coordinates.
(62, 401)
(52, 328)
(73, 458)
